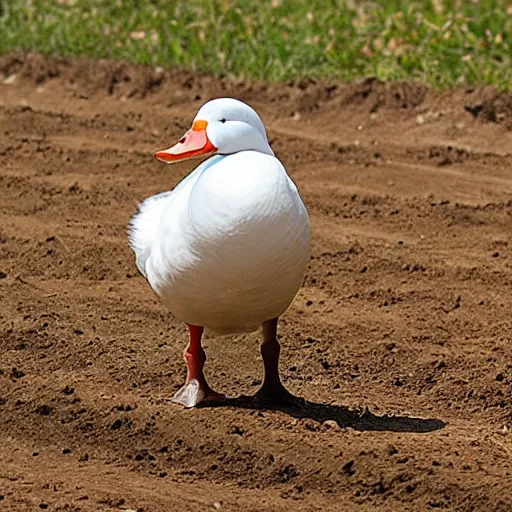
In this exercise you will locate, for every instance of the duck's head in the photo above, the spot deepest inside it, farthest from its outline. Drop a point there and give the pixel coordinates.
(222, 126)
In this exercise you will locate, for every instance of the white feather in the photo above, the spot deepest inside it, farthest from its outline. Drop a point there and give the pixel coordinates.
(143, 228)
(228, 247)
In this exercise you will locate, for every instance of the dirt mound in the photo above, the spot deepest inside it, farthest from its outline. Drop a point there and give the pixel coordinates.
(130, 81)
(399, 338)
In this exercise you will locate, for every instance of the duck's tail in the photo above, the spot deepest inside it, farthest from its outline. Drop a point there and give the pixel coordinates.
(143, 228)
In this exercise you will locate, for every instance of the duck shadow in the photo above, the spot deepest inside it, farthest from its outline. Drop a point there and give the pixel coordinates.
(342, 415)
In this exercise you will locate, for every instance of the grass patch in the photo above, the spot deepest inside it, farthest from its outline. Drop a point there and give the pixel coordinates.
(441, 42)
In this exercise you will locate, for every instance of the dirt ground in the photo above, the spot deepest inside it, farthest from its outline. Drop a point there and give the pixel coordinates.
(400, 338)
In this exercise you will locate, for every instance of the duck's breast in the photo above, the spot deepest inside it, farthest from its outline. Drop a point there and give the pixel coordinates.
(236, 254)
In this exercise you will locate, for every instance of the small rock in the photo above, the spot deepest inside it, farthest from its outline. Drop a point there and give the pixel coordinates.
(332, 425)
(392, 450)
(237, 430)
(10, 79)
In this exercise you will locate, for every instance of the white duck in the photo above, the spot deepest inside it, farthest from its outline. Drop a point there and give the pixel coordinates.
(226, 249)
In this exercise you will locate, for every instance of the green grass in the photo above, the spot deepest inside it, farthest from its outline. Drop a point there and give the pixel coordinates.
(441, 42)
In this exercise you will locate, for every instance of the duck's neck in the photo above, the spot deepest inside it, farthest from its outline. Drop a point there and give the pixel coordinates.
(251, 141)
(268, 150)
(262, 146)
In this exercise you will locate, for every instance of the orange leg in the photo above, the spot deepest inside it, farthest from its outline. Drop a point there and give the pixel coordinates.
(272, 389)
(196, 389)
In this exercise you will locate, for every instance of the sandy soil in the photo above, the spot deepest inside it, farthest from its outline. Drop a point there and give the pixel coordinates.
(400, 338)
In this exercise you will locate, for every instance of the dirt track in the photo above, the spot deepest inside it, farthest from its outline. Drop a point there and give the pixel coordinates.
(405, 310)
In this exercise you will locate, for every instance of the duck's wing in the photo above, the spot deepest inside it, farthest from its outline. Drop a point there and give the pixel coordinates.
(145, 225)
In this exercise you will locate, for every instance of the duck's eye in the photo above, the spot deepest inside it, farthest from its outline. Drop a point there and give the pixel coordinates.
(222, 120)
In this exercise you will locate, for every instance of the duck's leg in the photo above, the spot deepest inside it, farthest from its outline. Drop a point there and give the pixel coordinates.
(272, 389)
(196, 389)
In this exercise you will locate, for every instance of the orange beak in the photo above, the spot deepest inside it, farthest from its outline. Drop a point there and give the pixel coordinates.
(194, 143)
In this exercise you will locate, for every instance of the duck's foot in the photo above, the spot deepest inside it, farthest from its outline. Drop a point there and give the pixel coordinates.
(275, 395)
(192, 393)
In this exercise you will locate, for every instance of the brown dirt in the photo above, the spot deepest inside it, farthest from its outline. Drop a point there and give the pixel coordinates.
(400, 338)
